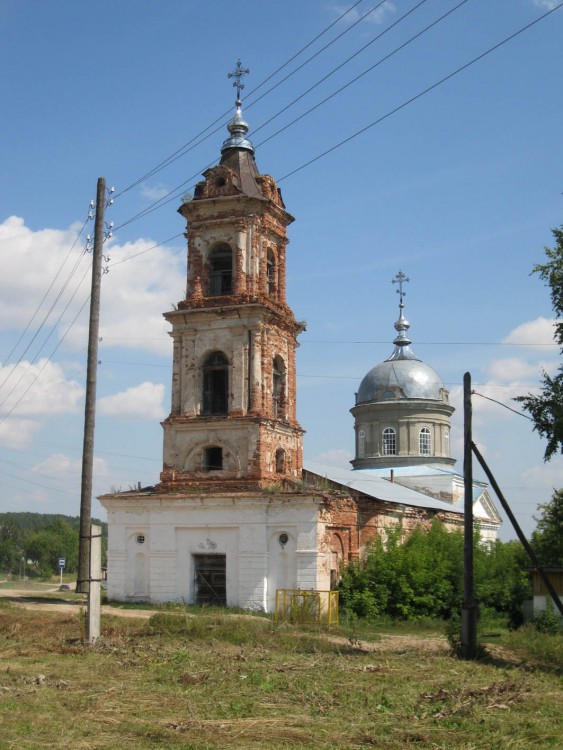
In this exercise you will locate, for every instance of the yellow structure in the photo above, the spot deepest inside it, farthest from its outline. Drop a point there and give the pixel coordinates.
(307, 607)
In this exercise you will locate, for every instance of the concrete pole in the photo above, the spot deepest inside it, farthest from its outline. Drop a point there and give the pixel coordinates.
(90, 406)
(95, 583)
(469, 609)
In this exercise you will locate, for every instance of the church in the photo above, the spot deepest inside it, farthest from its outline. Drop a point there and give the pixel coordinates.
(236, 516)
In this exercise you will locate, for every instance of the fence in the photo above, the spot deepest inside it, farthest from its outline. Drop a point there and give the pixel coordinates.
(307, 607)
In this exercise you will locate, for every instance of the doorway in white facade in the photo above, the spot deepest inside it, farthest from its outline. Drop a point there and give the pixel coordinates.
(210, 573)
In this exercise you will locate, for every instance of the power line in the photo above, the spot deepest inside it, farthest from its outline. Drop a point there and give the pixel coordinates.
(361, 75)
(432, 343)
(189, 145)
(420, 94)
(142, 252)
(173, 194)
(47, 360)
(15, 346)
(36, 357)
(309, 59)
(520, 414)
(345, 62)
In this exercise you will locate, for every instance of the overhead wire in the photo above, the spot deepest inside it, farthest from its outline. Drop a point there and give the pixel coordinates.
(45, 363)
(30, 321)
(421, 93)
(359, 76)
(520, 414)
(319, 52)
(173, 194)
(357, 133)
(42, 325)
(352, 57)
(184, 148)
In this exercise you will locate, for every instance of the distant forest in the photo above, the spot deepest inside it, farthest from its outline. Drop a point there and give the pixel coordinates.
(31, 544)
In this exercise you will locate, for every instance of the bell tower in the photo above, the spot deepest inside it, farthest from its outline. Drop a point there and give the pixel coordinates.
(233, 424)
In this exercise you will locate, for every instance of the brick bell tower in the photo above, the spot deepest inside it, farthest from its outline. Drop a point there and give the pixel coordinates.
(233, 424)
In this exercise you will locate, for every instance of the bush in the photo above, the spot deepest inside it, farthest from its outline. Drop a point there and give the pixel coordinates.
(421, 576)
(547, 621)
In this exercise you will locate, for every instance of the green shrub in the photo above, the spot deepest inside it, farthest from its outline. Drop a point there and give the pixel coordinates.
(547, 621)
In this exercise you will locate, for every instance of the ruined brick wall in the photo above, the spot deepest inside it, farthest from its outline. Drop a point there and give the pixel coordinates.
(348, 523)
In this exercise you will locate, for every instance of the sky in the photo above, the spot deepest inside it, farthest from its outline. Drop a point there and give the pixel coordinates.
(399, 141)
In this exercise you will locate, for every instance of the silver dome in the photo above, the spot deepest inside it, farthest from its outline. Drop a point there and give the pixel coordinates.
(402, 375)
(398, 379)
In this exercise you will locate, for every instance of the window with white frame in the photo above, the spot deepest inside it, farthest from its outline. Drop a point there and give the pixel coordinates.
(389, 442)
(425, 442)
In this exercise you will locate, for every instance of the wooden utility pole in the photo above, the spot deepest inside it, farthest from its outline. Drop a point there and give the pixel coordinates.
(83, 578)
(469, 609)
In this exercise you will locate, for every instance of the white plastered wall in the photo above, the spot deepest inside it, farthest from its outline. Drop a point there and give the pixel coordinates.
(244, 529)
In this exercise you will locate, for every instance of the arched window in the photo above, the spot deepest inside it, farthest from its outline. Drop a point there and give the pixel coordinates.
(361, 444)
(213, 458)
(425, 442)
(271, 273)
(447, 443)
(216, 384)
(220, 264)
(389, 442)
(280, 461)
(278, 387)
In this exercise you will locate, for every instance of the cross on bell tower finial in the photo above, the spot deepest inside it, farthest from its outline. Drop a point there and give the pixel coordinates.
(400, 279)
(238, 73)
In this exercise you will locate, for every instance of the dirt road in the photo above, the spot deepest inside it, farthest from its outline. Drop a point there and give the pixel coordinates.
(32, 599)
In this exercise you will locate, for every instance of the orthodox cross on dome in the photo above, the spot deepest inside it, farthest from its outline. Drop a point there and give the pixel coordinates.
(238, 73)
(400, 279)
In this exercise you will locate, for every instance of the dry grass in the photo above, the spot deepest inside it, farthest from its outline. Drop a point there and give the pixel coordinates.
(208, 682)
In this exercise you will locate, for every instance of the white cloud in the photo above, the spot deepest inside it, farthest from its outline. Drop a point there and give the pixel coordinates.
(30, 260)
(377, 16)
(544, 475)
(61, 466)
(144, 401)
(154, 193)
(134, 294)
(547, 4)
(38, 389)
(514, 370)
(16, 433)
(338, 457)
(534, 333)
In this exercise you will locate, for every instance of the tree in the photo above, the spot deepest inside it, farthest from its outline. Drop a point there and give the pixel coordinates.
(547, 539)
(546, 410)
(55, 541)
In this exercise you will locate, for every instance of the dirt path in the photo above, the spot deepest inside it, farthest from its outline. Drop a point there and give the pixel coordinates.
(27, 599)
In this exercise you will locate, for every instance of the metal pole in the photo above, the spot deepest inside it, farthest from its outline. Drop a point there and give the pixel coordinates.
(469, 609)
(82, 584)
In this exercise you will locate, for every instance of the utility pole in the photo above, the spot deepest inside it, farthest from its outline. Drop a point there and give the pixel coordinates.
(83, 578)
(469, 609)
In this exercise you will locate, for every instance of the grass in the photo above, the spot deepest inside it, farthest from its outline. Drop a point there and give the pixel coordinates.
(204, 681)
